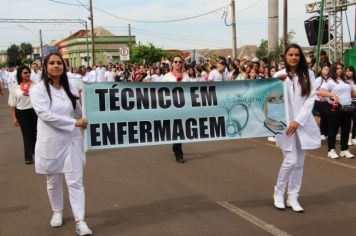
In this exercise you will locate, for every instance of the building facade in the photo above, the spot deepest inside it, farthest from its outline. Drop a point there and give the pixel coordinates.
(76, 48)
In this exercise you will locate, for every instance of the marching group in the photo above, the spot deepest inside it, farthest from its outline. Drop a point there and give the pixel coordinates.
(46, 105)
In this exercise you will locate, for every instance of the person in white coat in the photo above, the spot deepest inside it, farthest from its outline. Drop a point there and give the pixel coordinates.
(59, 150)
(177, 75)
(35, 73)
(302, 132)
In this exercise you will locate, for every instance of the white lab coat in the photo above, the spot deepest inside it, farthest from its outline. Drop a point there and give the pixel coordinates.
(59, 142)
(35, 77)
(169, 77)
(300, 110)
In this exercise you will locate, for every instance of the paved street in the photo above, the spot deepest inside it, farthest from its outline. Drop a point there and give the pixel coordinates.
(224, 188)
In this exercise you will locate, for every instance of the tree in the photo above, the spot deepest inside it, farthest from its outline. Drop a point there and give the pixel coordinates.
(148, 54)
(25, 50)
(13, 55)
(17, 55)
(262, 50)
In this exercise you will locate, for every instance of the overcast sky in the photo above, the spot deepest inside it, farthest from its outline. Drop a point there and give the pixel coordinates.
(208, 31)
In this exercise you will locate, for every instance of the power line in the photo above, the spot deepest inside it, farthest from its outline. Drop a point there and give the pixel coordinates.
(66, 3)
(172, 36)
(161, 21)
(252, 5)
(177, 40)
(141, 21)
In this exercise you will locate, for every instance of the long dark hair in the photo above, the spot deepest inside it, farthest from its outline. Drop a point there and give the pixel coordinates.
(321, 68)
(351, 68)
(63, 80)
(19, 72)
(302, 69)
(332, 72)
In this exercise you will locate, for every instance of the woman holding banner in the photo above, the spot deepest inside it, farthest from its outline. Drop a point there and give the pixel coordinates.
(59, 149)
(302, 133)
(177, 75)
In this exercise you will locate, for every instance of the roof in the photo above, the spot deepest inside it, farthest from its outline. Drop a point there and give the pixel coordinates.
(100, 31)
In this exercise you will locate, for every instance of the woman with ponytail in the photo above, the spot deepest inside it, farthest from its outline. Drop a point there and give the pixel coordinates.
(59, 149)
(302, 133)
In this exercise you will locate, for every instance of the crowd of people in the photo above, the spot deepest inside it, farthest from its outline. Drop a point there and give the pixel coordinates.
(46, 104)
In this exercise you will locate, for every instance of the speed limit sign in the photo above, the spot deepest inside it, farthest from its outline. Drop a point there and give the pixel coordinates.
(124, 54)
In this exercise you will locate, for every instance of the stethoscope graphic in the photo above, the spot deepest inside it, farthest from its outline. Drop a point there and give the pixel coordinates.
(234, 126)
(275, 132)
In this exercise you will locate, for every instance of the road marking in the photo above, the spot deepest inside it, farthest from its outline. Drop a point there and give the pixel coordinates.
(334, 162)
(253, 219)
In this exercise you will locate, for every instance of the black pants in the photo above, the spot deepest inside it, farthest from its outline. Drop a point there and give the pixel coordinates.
(339, 119)
(177, 149)
(322, 107)
(28, 123)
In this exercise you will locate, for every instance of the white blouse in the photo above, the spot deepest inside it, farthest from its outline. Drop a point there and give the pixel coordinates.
(341, 89)
(17, 99)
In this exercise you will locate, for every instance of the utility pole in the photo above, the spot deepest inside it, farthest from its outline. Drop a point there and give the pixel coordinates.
(92, 32)
(86, 38)
(272, 25)
(41, 45)
(234, 43)
(130, 36)
(320, 30)
(285, 24)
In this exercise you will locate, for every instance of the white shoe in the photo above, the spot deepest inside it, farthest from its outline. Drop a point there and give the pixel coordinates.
(278, 202)
(346, 154)
(332, 154)
(294, 204)
(322, 137)
(349, 142)
(57, 219)
(353, 141)
(338, 137)
(81, 228)
(271, 139)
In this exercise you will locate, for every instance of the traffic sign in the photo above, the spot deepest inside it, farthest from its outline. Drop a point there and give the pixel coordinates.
(124, 54)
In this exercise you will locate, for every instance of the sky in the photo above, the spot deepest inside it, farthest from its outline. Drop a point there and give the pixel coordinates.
(208, 31)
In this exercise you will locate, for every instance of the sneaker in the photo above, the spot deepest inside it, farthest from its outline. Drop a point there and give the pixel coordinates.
(278, 202)
(271, 139)
(57, 219)
(346, 154)
(81, 228)
(332, 154)
(353, 141)
(322, 137)
(180, 159)
(294, 204)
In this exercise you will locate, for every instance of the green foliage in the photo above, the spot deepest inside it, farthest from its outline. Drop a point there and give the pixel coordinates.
(212, 56)
(262, 50)
(25, 50)
(13, 55)
(147, 54)
(17, 55)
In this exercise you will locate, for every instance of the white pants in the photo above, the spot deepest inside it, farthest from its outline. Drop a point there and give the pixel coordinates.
(75, 186)
(291, 172)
